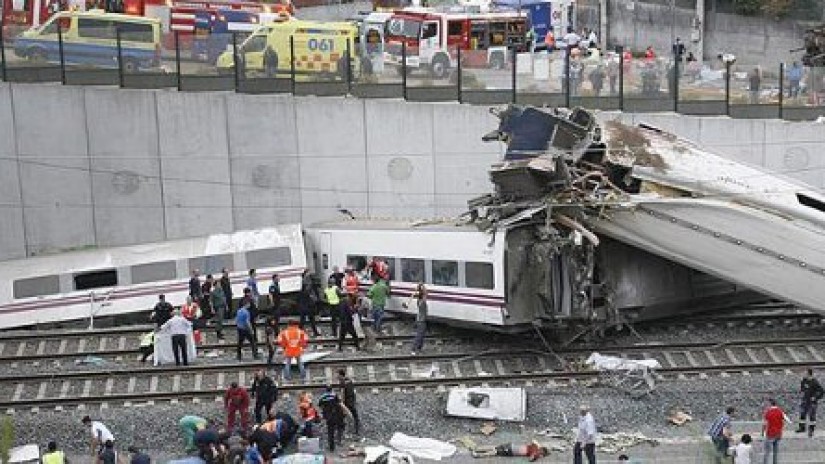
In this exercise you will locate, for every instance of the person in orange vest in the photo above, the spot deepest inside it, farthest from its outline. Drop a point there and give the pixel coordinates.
(308, 414)
(351, 282)
(550, 41)
(293, 340)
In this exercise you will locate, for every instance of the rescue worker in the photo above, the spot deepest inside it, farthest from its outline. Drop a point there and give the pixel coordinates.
(379, 269)
(812, 392)
(308, 414)
(54, 455)
(347, 312)
(189, 426)
(338, 277)
(351, 282)
(220, 308)
(191, 311)
(421, 318)
(162, 311)
(147, 345)
(265, 393)
(378, 293)
(293, 340)
(236, 401)
(332, 298)
(334, 413)
(270, 437)
(307, 299)
(271, 332)
(244, 326)
(347, 387)
(226, 285)
(550, 40)
(206, 296)
(208, 443)
(100, 434)
(195, 288)
(251, 303)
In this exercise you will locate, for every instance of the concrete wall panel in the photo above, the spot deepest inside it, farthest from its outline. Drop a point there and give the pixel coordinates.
(332, 183)
(12, 243)
(740, 139)
(451, 190)
(261, 125)
(795, 150)
(459, 128)
(50, 123)
(398, 128)
(401, 186)
(123, 148)
(330, 126)
(194, 163)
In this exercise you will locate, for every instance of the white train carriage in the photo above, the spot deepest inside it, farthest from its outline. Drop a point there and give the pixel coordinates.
(463, 268)
(106, 282)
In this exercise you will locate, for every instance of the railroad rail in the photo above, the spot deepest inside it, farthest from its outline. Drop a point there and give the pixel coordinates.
(439, 370)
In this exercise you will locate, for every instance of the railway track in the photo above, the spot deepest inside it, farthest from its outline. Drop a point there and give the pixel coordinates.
(438, 370)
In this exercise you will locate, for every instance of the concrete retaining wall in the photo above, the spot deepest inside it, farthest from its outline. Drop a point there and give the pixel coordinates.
(82, 166)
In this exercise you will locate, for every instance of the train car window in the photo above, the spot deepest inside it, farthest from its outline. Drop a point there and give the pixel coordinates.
(37, 286)
(357, 262)
(445, 273)
(412, 270)
(455, 28)
(268, 257)
(213, 264)
(390, 261)
(479, 275)
(95, 279)
(153, 272)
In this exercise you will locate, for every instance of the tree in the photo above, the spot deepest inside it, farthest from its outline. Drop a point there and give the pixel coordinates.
(6, 437)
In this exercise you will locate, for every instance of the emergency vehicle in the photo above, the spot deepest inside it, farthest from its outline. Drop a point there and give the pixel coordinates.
(214, 30)
(319, 47)
(432, 39)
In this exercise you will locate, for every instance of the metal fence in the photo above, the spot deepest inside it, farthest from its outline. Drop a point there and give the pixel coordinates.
(611, 81)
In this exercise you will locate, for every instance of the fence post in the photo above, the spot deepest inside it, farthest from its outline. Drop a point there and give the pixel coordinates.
(292, 62)
(620, 50)
(3, 50)
(458, 71)
(675, 83)
(781, 90)
(119, 58)
(60, 51)
(177, 60)
(404, 69)
(567, 78)
(514, 55)
(727, 87)
(235, 60)
(349, 67)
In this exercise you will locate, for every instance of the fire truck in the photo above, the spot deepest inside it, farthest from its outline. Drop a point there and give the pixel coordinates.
(431, 39)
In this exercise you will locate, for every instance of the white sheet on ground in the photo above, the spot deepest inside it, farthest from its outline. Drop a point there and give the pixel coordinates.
(425, 448)
(371, 453)
(614, 363)
(24, 454)
(300, 458)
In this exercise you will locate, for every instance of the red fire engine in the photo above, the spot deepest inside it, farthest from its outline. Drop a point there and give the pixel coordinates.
(433, 37)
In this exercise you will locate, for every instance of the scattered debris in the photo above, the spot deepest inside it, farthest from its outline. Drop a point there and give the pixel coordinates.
(431, 372)
(466, 442)
(310, 357)
(507, 404)
(614, 442)
(679, 417)
(633, 376)
(488, 428)
(353, 452)
(300, 458)
(425, 448)
(90, 361)
(383, 455)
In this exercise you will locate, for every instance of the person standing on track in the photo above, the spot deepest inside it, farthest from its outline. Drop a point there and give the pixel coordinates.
(348, 310)
(179, 327)
(347, 387)
(420, 319)
(271, 333)
(147, 345)
(812, 392)
(334, 413)
(251, 303)
(378, 293)
(293, 340)
(265, 393)
(162, 312)
(236, 401)
(220, 308)
(243, 323)
(351, 282)
(195, 289)
(306, 303)
(226, 285)
(275, 299)
(332, 298)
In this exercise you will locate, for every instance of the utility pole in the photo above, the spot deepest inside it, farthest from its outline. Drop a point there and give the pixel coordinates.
(697, 35)
(603, 14)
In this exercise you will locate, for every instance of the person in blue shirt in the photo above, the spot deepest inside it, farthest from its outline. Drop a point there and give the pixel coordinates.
(243, 321)
(252, 284)
(794, 78)
(253, 456)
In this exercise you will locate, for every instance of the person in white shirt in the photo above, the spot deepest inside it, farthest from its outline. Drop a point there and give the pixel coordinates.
(571, 39)
(742, 453)
(585, 438)
(179, 327)
(100, 434)
(593, 38)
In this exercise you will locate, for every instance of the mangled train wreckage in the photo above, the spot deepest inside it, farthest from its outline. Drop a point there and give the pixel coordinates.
(618, 222)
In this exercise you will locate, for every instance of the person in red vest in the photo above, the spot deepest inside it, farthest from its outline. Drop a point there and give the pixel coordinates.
(351, 282)
(236, 400)
(191, 311)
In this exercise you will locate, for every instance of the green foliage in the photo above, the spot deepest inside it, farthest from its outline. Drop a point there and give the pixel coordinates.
(748, 7)
(7, 437)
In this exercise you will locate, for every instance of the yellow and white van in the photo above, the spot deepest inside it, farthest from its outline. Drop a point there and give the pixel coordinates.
(319, 47)
(90, 38)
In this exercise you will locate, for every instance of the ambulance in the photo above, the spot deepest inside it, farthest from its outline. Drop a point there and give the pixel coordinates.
(319, 48)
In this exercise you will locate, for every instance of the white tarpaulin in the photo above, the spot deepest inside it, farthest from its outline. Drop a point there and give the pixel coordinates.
(614, 363)
(424, 448)
(163, 348)
(507, 404)
(24, 454)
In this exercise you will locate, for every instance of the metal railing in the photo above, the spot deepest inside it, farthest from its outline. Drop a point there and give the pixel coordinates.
(496, 75)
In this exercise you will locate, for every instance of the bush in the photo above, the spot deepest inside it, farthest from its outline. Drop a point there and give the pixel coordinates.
(7, 437)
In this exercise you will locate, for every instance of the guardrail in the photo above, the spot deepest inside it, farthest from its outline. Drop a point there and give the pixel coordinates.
(495, 75)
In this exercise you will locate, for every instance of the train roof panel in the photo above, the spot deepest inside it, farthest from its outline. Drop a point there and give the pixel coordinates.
(438, 224)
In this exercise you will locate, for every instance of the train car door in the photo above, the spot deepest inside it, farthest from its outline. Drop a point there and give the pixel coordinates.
(321, 255)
